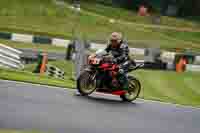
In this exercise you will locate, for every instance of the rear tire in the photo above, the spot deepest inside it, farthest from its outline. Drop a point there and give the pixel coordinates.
(85, 84)
(134, 90)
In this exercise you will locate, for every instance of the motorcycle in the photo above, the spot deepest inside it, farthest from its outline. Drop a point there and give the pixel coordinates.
(101, 76)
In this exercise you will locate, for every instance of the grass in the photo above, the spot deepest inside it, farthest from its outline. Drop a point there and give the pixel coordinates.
(193, 36)
(38, 47)
(179, 88)
(26, 75)
(59, 21)
(165, 86)
(131, 15)
(35, 47)
(66, 66)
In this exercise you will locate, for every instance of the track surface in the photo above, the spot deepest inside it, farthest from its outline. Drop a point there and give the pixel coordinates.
(26, 106)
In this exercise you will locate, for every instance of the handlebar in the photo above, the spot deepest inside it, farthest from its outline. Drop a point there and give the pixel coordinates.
(136, 67)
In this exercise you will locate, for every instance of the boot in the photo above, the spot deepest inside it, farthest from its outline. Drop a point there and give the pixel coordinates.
(124, 82)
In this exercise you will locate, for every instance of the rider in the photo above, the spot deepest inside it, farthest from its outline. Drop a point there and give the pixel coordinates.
(120, 52)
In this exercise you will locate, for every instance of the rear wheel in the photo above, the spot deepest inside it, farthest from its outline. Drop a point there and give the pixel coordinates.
(86, 84)
(133, 91)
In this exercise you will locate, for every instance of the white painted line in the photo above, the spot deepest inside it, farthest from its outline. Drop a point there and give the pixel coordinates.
(151, 101)
(22, 38)
(40, 85)
(172, 104)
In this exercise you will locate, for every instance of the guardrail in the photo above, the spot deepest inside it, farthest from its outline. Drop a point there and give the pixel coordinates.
(10, 58)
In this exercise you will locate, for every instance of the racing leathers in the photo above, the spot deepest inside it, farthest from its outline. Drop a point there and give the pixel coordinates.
(121, 56)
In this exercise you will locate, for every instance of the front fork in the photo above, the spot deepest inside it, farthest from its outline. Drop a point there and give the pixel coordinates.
(93, 75)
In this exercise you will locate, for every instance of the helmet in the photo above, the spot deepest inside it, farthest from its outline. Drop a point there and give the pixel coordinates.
(116, 36)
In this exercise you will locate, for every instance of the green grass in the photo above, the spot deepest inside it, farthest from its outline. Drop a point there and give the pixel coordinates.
(66, 66)
(181, 88)
(52, 20)
(38, 47)
(192, 36)
(26, 75)
(165, 86)
(131, 15)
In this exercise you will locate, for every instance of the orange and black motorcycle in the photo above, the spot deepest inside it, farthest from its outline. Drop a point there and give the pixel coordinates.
(101, 75)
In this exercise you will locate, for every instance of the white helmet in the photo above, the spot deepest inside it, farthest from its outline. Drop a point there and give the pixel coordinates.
(116, 36)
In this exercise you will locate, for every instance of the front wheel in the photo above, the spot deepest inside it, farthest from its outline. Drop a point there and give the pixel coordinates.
(86, 83)
(133, 91)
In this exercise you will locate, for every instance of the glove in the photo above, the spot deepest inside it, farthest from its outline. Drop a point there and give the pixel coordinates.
(121, 71)
(115, 61)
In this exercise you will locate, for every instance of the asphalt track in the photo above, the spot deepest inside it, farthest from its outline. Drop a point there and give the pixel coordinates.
(26, 106)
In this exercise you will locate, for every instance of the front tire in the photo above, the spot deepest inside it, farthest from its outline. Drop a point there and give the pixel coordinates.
(133, 91)
(86, 85)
